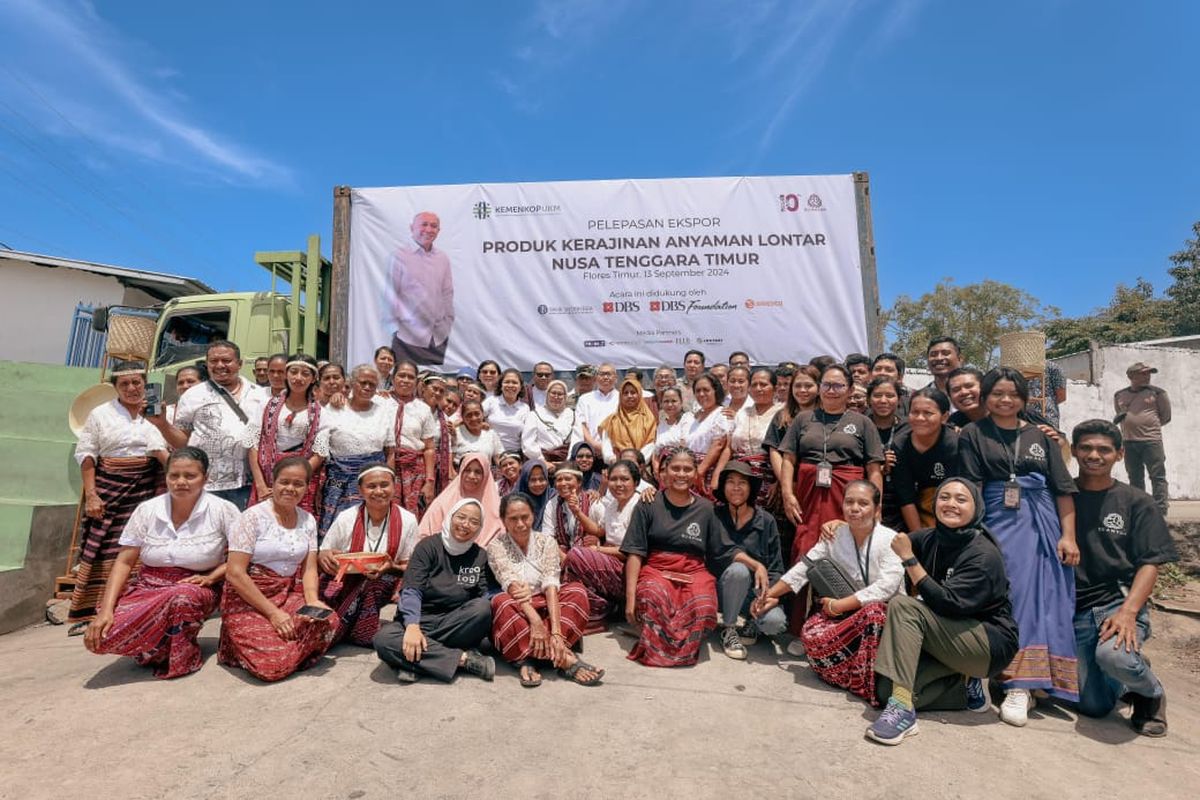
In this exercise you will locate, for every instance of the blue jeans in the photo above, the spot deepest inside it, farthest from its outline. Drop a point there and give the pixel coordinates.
(735, 591)
(1107, 672)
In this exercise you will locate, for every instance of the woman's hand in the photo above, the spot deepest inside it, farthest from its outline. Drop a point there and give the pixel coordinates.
(591, 541)
(93, 506)
(593, 495)
(520, 591)
(902, 546)
(830, 607)
(829, 529)
(761, 605)
(574, 505)
(791, 508)
(1068, 551)
(631, 615)
(889, 461)
(415, 643)
(427, 491)
(338, 399)
(199, 579)
(558, 649)
(376, 571)
(282, 622)
(327, 561)
(762, 581)
(97, 629)
(1053, 434)
(262, 489)
(649, 493)
(539, 640)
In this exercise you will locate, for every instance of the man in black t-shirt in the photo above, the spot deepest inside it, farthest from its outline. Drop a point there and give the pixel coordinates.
(1122, 539)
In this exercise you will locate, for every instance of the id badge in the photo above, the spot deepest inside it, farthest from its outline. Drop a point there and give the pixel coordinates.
(824, 475)
(1012, 495)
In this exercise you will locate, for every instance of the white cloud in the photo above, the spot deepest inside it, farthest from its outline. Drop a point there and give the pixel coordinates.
(114, 90)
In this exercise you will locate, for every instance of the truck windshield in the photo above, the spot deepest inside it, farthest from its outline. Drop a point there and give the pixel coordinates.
(185, 336)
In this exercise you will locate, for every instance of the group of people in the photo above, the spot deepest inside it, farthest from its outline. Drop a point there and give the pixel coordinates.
(909, 544)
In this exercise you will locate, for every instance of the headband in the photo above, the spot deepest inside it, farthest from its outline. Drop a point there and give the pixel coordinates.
(376, 468)
(132, 371)
(561, 470)
(291, 364)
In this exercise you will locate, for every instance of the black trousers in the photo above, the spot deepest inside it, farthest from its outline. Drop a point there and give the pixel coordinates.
(421, 355)
(1148, 457)
(447, 634)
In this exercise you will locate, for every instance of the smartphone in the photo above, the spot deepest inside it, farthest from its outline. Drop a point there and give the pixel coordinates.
(316, 612)
(153, 399)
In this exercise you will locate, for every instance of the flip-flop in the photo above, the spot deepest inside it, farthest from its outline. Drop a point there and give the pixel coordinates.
(78, 629)
(529, 683)
(572, 672)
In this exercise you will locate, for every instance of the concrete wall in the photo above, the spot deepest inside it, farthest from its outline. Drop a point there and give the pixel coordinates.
(37, 304)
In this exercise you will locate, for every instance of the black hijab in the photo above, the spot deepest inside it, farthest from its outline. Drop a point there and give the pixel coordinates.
(956, 537)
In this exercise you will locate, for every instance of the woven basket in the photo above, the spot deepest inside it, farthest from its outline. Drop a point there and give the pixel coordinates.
(130, 337)
(1024, 351)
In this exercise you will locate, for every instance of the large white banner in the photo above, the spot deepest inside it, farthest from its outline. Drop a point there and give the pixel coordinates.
(635, 272)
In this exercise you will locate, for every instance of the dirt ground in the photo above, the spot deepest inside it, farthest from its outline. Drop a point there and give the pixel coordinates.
(79, 725)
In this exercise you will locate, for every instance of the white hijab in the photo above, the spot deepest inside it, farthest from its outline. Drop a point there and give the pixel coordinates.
(453, 546)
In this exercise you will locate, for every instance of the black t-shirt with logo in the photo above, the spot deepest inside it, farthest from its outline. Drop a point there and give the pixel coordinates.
(985, 453)
(1118, 530)
(915, 470)
(849, 438)
(693, 529)
(446, 582)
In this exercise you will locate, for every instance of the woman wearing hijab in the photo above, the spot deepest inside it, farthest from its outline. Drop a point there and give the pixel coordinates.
(937, 647)
(535, 617)
(584, 458)
(534, 483)
(632, 425)
(550, 428)
(288, 427)
(379, 524)
(474, 481)
(443, 614)
(1029, 495)
(841, 639)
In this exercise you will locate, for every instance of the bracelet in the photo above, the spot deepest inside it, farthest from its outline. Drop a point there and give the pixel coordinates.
(909, 562)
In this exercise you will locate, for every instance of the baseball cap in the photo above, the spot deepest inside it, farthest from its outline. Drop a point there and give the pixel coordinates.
(1140, 366)
(465, 372)
(585, 371)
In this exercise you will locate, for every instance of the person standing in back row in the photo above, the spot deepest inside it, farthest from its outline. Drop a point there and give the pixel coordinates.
(1142, 410)
(423, 305)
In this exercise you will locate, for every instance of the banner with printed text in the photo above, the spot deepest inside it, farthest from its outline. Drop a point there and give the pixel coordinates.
(634, 272)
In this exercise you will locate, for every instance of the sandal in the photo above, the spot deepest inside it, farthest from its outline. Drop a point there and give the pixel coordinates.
(78, 629)
(529, 683)
(572, 672)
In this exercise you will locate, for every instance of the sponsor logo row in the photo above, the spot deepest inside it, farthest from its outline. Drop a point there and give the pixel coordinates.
(660, 307)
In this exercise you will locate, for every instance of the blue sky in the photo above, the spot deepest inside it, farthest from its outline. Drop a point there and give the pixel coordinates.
(1048, 143)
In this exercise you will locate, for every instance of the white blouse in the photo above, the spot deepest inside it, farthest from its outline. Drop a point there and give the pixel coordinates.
(346, 432)
(342, 531)
(110, 432)
(607, 513)
(419, 423)
(544, 431)
(506, 419)
(881, 565)
(198, 544)
(749, 428)
(673, 435)
(703, 432)
(487, 443)
(539, 566)
(287, 437)
(270, 544)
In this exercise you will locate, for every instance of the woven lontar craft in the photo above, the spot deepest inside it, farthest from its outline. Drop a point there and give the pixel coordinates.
(130, 337)
(1024, 351)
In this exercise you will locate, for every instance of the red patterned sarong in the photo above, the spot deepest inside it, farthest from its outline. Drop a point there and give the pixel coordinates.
(249, 641)
(122, 484)
(410, 477)
(817, 506)
(357, 600)
(157, 620)
(675, 616)
(841, 650)
(603, 576)
(510, 626)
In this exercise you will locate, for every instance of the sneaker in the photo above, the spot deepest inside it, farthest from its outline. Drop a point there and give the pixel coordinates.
(1015, 708)
(894, 724)
(479, 664)
(405, 675)
(732, 644)
(796, 648)
(748, 633)
(977, 699)
(1149, 716)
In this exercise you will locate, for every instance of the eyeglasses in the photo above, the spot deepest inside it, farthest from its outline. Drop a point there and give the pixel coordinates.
(543, 374)
(834, 387)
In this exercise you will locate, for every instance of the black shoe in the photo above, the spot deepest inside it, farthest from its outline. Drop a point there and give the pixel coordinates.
(1149, 716)
(479, 664)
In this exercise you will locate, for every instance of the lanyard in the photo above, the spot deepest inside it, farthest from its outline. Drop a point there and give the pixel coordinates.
(372, 547)
(825, 431)
(1015, 454)
(864, 566)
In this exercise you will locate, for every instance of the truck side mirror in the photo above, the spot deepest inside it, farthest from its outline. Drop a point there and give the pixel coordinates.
(100, 319)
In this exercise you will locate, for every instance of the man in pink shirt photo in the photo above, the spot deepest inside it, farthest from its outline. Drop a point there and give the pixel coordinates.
(424, 300)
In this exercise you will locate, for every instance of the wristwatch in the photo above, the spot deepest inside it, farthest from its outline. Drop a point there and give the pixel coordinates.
(909, 562)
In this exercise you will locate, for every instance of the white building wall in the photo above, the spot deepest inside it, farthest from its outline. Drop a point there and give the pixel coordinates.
(37, 304)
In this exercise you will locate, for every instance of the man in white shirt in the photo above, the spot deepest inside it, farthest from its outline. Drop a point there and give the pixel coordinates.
(206, 418)
(597, 405)
(535, 395)
(424, 295)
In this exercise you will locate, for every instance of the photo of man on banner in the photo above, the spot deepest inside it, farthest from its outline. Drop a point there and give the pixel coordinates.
(423, 305)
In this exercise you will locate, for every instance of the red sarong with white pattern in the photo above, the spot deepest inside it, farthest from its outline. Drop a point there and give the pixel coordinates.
(510, 627)
(675, 616)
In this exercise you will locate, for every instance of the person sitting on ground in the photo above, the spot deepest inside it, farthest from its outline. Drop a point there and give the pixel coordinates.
(535, 617)
(750, 426)
(673, 546)
(938, 646)
(444, 614)
(474, 438)
(1123, 538)
(179, 539)
(753, 530)
(271, 576)
(474, 480)
(379, 524)
(842, 638)
(600, 565)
